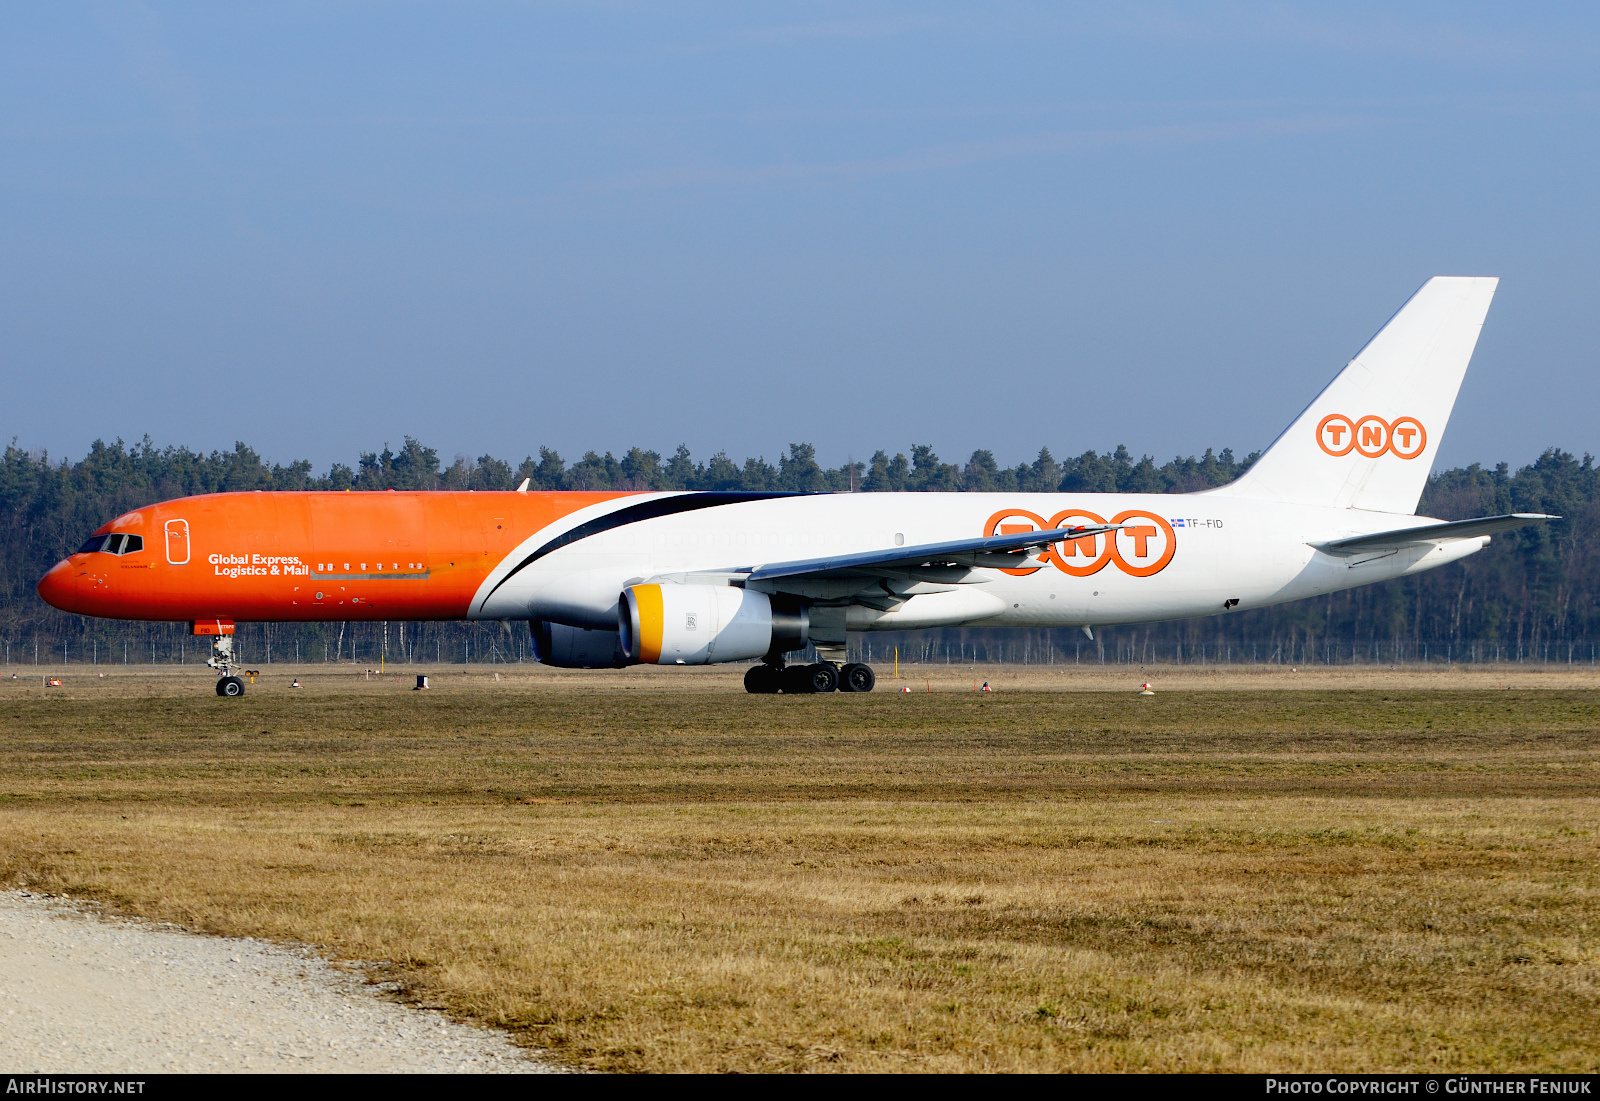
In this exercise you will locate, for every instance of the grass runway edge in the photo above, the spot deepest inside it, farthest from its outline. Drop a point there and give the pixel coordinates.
(641, 878)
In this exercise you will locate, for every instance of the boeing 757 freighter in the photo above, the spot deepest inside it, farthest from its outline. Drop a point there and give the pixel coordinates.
(688, 578)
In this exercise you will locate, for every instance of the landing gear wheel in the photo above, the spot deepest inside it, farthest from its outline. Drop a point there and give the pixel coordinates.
(856, 677)
(795, 680)
(763, 680)
(822, 677)
(230, 686)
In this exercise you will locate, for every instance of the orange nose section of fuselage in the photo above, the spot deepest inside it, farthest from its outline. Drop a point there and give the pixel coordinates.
(59, 588)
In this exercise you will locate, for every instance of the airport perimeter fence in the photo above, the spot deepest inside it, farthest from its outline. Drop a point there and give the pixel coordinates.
(1109, 648)
(361, 643)
(494, 643)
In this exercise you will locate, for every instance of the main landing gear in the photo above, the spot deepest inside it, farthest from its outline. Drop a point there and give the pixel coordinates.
(796, 680)
(222, 661)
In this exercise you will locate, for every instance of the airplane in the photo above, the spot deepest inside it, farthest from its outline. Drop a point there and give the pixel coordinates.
(695, 578)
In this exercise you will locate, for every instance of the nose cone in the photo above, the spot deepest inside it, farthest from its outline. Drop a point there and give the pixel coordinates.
(59, 588)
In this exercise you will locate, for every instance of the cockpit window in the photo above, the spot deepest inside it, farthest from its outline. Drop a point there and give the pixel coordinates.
(115, 543)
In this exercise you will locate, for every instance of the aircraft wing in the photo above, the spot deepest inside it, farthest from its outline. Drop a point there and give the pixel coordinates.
(996, 552)
(1430, 533)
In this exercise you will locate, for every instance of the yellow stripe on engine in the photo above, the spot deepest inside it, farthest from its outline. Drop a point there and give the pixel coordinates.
(652, 622)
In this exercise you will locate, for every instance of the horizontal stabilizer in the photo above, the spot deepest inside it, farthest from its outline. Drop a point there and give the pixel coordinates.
(1430, 533)
(998, 552)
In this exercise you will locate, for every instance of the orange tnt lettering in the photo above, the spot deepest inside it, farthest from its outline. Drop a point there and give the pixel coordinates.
(993, 526)
(1141, 543)
(1141, 538)
(1372, 436)
(1072, 548)
(1331, 433)
(1016, 529)
(1408, 438)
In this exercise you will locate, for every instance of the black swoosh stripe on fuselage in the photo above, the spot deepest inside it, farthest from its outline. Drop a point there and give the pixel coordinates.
(632, 514)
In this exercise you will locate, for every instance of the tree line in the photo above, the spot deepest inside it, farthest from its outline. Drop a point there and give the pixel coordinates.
(1531, 594)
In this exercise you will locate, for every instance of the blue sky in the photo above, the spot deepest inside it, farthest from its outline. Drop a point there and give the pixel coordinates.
(319, 227)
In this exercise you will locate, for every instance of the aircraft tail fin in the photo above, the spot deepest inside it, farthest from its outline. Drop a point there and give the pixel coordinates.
(1368, 440)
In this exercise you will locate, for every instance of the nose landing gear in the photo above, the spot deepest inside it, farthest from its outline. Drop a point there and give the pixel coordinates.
(222, 661)
(796, 680)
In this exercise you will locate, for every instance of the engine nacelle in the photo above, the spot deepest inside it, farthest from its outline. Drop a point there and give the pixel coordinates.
(706, 624)
(575, 647)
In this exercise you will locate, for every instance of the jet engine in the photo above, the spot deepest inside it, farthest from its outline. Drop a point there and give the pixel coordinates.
(575, 647)
(706, 624)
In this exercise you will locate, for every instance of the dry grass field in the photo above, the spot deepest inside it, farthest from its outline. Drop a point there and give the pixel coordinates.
(1252, 870)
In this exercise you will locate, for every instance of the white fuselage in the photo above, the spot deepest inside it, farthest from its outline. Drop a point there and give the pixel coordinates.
(1227, 554)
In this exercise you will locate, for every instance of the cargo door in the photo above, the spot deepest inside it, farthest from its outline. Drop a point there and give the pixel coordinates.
(476, 526)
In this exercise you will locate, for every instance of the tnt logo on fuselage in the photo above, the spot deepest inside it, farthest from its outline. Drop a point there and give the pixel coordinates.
(1403, 437)
(1142, 544)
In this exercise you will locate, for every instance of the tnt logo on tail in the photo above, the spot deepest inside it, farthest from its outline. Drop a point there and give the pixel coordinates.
(1403, 437)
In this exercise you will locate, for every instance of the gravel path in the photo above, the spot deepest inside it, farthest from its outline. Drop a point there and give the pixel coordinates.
(87, 995)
